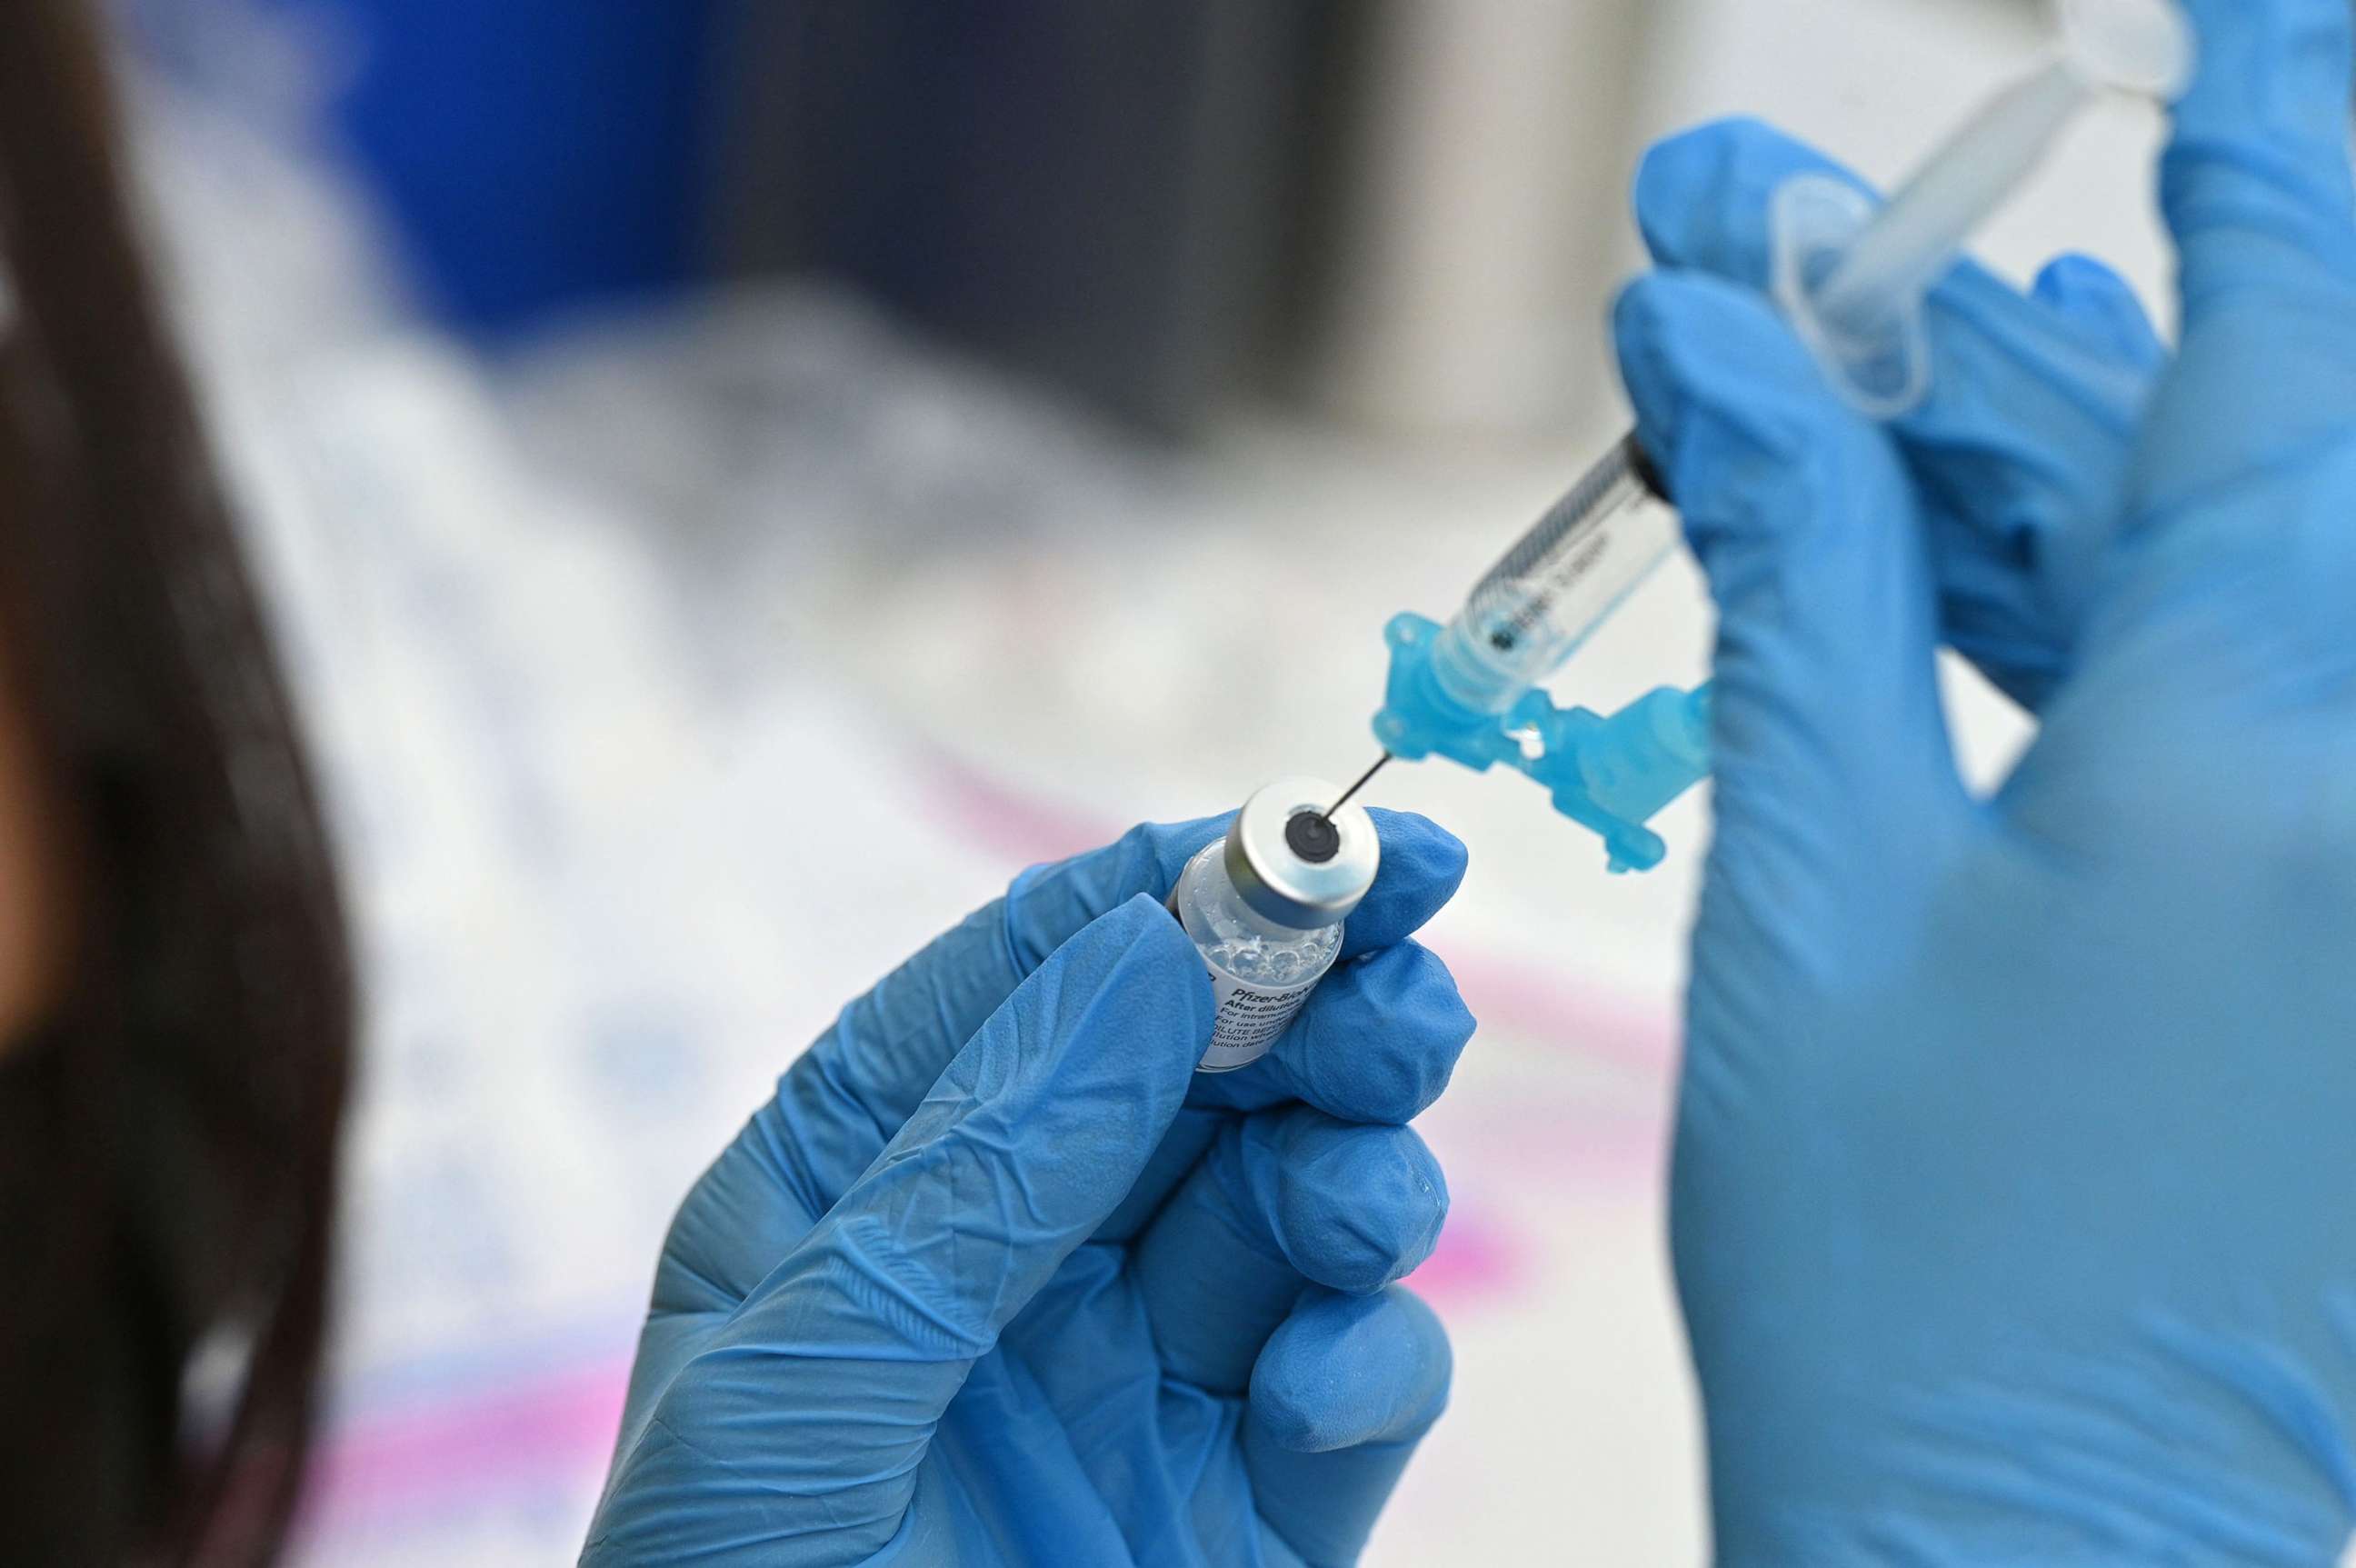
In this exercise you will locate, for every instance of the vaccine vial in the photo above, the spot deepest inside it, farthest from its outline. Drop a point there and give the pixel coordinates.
(1265, 906)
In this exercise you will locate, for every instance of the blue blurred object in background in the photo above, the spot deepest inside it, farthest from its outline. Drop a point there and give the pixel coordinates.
(1114, 201)
(539, 153)
(536, 155)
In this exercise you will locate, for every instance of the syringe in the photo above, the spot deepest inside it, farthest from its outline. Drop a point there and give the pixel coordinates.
(1852, 278)
(1472, 690)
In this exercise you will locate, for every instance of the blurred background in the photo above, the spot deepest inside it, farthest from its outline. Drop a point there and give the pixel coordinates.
(739, 479)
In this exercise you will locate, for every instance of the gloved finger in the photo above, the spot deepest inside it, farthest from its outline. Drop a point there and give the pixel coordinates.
(1422, 866)
(1342, 1395)
(2085, 290)
(2238, 540)
(852, 1089)
(1284, 1199)
(1181, 1148)
(2022, 449)
(2255, 181)
(2256, 187)
(1376, 1042)
(1829, 738)
(823, 1390)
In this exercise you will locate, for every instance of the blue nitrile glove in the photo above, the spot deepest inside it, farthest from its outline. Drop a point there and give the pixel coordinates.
(2012, 1207)
(2020, 455)
(997, 1279)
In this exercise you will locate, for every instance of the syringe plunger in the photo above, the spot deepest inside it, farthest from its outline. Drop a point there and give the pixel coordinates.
(1851, 275)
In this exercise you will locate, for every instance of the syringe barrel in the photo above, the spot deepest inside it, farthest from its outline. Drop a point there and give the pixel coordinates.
(1534, 608)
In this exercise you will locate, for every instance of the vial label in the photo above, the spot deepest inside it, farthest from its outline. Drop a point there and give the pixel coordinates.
(1249, 1019)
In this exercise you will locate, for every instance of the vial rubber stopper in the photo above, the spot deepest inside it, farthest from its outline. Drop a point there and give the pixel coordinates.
(1271, 855)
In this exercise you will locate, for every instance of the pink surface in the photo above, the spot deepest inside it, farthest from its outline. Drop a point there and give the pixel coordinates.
(1474, 1263)
(1540, 1008)
(1015, 822)
(387, 1464)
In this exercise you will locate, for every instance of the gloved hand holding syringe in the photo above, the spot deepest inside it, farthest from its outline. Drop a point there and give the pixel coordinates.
(1851, 278)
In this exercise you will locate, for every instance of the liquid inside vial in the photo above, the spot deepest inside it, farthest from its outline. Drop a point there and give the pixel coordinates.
(1232, 937)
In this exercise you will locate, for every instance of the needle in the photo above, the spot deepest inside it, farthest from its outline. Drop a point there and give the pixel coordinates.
(1363, 780)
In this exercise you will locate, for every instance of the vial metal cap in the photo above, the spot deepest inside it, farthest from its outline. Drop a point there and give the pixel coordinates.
(1271, 875)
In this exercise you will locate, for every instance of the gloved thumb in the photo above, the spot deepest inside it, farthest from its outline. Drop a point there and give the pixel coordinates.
(1829, 739)
(810, 1412)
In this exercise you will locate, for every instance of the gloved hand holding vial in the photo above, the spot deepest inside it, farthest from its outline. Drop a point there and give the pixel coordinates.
(1000, 1278)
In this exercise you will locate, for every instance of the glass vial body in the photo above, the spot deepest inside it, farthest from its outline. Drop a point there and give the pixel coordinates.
(1268, 922)
(1261, 972)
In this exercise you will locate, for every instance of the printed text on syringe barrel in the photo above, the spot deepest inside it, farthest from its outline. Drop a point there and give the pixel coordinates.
(1543, 597)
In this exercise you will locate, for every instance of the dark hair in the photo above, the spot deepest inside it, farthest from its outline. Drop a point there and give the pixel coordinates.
(168, 1141)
